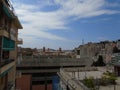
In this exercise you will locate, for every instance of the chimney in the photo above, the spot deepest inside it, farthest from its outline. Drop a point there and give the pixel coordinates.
(48, 50)
(60, 49)
(43, 49)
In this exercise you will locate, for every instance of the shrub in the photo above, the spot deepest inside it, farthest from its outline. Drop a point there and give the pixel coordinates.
(109, 77)
(89, 82)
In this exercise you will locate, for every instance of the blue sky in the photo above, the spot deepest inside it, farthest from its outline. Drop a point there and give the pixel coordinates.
(65, 23)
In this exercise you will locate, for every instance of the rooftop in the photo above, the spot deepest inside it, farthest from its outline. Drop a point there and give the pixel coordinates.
(73, 76)
(38, 61)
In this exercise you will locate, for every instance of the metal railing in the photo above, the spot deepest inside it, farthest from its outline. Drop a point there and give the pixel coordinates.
(9, 5)
(71, 82)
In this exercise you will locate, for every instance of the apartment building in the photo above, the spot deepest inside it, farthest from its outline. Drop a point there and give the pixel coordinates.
(9, 25)
(93, 50)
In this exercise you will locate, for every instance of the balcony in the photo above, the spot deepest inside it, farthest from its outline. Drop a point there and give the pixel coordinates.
(10, 12)
(3, 31)
(8, 8)
(19, 41)
(9, 4)
(6, 65)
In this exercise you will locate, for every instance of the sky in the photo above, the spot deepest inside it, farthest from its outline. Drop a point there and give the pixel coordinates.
(66, 23)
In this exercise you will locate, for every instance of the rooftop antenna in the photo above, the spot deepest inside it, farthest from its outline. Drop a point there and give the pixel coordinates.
(82, 41)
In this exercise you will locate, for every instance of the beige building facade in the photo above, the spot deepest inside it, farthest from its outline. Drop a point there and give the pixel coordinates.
(9, 25)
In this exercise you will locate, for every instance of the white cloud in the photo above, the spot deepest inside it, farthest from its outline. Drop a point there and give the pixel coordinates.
(38, 23)
(84, 8)
(102, 38)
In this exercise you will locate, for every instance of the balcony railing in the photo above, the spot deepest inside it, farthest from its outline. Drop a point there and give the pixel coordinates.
(20, 41)
(8, 2)
(5, 62)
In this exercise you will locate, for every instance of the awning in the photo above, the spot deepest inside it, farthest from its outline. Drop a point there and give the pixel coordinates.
(8, 44)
